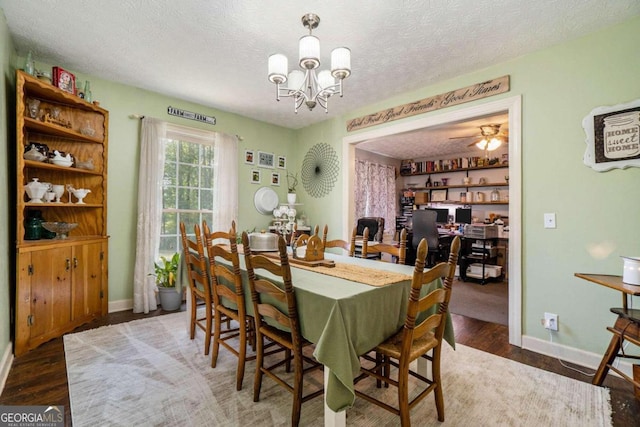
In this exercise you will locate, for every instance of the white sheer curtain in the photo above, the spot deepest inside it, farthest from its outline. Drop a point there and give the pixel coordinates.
(225, 173)
(375, 191)
(153, 137)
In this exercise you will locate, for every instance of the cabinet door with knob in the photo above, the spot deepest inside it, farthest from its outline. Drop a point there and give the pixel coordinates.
(88, 265)
(61, 288)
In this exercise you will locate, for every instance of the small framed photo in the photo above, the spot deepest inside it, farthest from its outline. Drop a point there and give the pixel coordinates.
(266, 160)
(275, 179)
(255, 176)
(249, 158)
(282, 162)
(64, 80)
(438, 195)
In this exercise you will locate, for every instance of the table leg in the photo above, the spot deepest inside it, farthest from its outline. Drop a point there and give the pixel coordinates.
(331, 418)
(607, 359)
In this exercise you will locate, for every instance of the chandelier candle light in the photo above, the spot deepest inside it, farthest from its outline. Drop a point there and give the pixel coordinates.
(306, 86)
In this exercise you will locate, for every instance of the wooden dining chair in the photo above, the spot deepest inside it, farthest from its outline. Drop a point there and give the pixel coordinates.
(276, 318)
(325, 231)
(364, 244)
(416, 338)
(228, 298)
(349, 247)
(199, 287)
(398, 252)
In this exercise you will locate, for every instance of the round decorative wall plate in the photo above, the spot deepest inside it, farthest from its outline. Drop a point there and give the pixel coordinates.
(265, 200)
(320, 169)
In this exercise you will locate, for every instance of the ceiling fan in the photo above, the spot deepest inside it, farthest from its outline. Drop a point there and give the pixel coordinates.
(491, 137)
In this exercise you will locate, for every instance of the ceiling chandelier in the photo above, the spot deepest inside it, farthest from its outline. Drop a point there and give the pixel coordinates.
(307, 87)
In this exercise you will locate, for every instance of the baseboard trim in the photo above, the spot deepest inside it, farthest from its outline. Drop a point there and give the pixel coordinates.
(120, 305)
(572, 354)
(5, 365)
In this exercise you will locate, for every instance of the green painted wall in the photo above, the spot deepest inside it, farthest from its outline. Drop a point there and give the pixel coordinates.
(121, 101)
(7, 132)
(559, 87)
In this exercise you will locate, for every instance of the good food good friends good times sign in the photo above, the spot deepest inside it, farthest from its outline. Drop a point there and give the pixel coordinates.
(455, 97)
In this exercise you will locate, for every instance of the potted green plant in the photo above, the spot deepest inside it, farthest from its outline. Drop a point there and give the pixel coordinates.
(165, 272)
(292, 183)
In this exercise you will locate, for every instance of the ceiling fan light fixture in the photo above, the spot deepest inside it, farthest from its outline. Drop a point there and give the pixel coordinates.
(308, 87)
(494, 143)
(489, 144)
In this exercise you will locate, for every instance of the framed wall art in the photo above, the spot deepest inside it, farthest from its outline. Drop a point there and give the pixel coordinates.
(282, 162)
(266, 160)
(255, 176)
(249, 158)
(275, 179)
(438, 195)
(613, 137)
(64, 80)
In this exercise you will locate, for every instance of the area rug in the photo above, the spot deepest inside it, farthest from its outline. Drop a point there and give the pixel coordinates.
(488, 302)
(149, 373)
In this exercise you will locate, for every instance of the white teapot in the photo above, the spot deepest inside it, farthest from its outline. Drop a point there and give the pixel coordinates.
(35, 190)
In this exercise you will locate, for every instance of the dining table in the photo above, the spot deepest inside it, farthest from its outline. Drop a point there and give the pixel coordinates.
(345, 311)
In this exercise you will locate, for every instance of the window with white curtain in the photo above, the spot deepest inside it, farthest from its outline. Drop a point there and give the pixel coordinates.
(187, 190)
(188, 175)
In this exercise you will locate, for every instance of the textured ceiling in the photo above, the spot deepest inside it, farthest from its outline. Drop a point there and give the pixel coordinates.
(214, 52)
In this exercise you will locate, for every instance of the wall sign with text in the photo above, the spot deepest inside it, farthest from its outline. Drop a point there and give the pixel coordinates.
(449, 99)
(613, 137)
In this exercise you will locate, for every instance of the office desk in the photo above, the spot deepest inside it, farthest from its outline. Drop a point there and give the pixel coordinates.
(345, 319)
(623, 327)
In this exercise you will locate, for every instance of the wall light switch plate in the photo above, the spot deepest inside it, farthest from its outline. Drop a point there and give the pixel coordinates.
(550, 220)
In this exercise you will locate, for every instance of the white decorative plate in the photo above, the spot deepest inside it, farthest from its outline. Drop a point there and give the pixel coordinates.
(265, 200)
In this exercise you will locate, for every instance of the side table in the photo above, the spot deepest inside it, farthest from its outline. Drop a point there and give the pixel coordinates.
(627, 327)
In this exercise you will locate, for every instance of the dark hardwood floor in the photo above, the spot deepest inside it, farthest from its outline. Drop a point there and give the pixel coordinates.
(40, 376)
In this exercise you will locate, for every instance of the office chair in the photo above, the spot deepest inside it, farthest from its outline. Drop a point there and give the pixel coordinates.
(375, 225)
(425, 227)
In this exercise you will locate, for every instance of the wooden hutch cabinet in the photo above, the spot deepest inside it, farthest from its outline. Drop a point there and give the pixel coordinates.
(60, 283)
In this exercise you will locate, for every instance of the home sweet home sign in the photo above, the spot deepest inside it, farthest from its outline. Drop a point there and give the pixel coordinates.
(449, 99)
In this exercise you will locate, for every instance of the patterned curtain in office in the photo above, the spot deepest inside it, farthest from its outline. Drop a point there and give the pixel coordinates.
(375, 193)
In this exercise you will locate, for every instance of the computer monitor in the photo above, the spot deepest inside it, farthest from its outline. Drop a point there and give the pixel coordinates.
(442, 215)
(463, 215)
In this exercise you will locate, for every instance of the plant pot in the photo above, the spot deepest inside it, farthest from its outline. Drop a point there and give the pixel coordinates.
(291, 198)
(170, 299)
